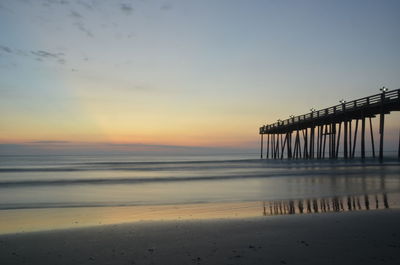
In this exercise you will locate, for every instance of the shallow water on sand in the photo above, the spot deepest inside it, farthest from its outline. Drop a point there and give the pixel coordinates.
(100, 181)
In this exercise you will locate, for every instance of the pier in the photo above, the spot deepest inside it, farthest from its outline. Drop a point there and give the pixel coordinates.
(322, 133)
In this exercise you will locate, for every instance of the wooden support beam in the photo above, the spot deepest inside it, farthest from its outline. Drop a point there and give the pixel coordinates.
(262, 145)
(305, 141)
(289, 147)
(295, 147)
(345, 137)
(267, 146)
(355, 139)
(350, 129)
(372, 138)
(321, 129)
(298, 145)
(363, 138)
(273, 146)
(318, 136)
(312, 141)
(322, 140)
(276, 145)
(338, 141)
(398, 154)
(381, 131)
(326, 132)
(330, 141)
(333, 131)
(283, 146)
(334, 141)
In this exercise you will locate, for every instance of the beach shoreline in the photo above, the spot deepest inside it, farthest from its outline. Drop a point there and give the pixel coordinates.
(359, 237)
(46, 219)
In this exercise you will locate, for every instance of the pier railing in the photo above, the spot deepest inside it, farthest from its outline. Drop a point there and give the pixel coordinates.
(320, 128)
(384, 98)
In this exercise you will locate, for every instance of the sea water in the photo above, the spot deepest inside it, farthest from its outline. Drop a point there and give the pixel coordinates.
(33, 182)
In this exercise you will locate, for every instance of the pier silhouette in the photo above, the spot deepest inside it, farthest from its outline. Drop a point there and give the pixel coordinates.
(319, 133)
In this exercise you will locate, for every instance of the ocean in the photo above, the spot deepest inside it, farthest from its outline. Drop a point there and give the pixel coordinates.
(39, 182)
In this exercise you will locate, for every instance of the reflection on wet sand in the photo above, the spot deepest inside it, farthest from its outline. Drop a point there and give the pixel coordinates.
(323, 205)
(28, 220)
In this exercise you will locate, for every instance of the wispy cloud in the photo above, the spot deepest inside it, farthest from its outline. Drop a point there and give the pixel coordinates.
(75, 14)
(5, 49)
(41, 55)
(126, 8)
(83, 28)
(49, 142)
(47, 54)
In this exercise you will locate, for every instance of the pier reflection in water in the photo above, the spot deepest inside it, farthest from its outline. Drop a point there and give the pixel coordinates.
(323, 205)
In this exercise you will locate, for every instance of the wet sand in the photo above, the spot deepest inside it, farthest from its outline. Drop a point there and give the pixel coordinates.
(30, 220)
(363, 237)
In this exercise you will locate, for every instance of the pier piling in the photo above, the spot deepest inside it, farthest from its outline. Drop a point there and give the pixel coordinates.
(317, 126)
(363, 137)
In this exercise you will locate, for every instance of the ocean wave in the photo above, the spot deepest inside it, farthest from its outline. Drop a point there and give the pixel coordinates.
(190, 165)
(231, 176)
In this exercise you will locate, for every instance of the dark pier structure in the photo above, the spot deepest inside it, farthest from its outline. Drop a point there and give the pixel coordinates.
(321, 133)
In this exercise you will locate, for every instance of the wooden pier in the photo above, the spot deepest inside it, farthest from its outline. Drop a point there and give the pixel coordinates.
(321, 133)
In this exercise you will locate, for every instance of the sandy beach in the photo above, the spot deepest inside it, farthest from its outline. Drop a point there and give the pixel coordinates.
(363, 237)
(199, 212)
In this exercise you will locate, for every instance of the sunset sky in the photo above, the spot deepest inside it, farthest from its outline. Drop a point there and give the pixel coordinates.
(208, 73)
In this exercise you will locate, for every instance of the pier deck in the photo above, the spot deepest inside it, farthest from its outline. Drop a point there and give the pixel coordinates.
(328, 122)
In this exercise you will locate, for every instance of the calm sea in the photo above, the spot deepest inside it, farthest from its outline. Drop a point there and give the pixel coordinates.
(81, 181)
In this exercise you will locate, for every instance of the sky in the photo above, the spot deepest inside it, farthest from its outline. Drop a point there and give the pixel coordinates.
(146, 74)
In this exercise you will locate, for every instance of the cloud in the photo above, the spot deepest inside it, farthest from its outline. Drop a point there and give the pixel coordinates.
(5, 49)
(75, 14)
(82, 28)
(39, 54)
(47, 54)
(49, 142)
(42, 55)
(126, 8)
